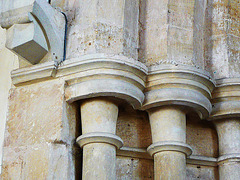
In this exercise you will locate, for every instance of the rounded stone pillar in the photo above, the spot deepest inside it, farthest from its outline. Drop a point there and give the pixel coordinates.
(104, 39)
(173, 91)
(101, 81)
(226, 117)
(229, 148)
(169, 148)
(99, 142)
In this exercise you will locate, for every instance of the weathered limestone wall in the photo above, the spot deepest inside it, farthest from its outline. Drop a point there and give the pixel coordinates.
(103, 27)
(39, 135)
(42, 127)
(138, 168)
(223, 38)
(171, 32)
(134, 129)
(8, 62)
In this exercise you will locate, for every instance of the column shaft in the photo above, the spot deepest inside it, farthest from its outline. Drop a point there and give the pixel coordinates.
(168, 126)
(229, 170)
(229, 148)
(99, 115)
(99, 161)
(169, 165)
(99, 118)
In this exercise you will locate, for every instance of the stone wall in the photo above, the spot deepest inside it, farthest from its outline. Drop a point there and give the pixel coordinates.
(148, 83)
(8, 62)
(40, 133)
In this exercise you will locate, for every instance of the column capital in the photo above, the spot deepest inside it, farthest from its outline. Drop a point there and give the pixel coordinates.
(169, 146)
(106, 75)
(226, 99)
(100, 137)
(92, 75)
(179, 85)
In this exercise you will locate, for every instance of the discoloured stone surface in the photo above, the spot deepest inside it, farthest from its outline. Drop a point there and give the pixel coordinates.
(195, 172)
(99, 161)
(98, 115)
(133, 168)
(8, 62)
(35, 114)
(40, 130)
(202, 137)
(134, 129)
(169, 165)
(39, 161)
(38, 113)
(229, 136)
(167, 33)
(229, 148)
(223, 33)
(229, 170)
(104, 27)
(168, 124)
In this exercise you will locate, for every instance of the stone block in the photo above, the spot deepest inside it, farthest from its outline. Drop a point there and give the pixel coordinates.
(14, 11)
(39, 161)
(134, 168)
(37, 114)
(28, 41)
(195, 172)
(104, 27)
(202, 137)
(134, 129)
(49, 25)
(180, 45)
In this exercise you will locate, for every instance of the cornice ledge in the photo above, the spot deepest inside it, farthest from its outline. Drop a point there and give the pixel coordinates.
(202, 160)
(39, 72)
(100, 137)
(91, 76)
(104, 75)
(226, 99)
(101, 58)
(179, 85)
(106, 88)
(229, 158)
(142, 153)
(169, 146)
(76, 65)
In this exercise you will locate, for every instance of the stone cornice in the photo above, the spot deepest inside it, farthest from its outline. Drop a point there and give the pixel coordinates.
(92, 76)
(43, 71)
(105, 75)
(142, 153)
(32, 74)
(226, 99)
(125, 78)
(229, 157)
(179, 85)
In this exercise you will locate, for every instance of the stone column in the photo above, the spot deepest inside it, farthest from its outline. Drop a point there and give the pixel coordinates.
(99, 142)
(173, 91)
(222, 55)
(226, 117)
(99, 85)
(169, 148)
(104, 38)
(172, 44)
